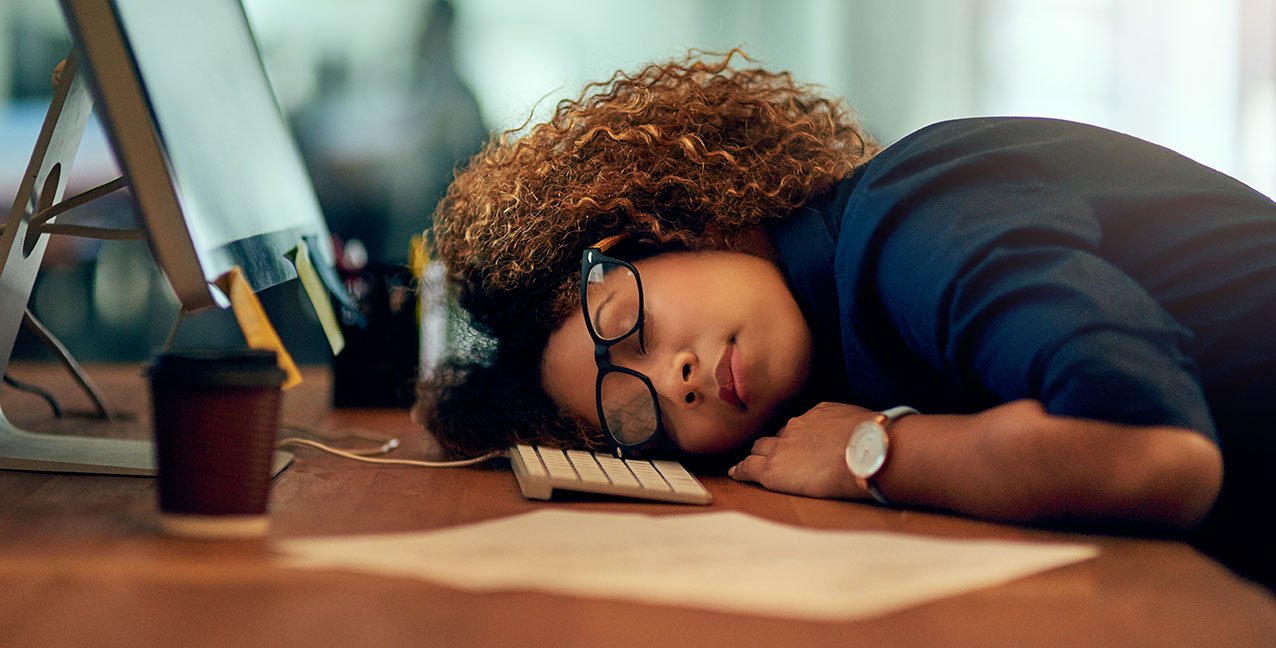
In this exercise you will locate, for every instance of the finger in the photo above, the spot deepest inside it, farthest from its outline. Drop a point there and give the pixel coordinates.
(764, 446)
(784, 430)
(749, 469)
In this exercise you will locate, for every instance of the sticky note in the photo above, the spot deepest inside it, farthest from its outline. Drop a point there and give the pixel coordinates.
(318, 295)
(256, 327)
(418, 255)
(418, 259)
(330, 279)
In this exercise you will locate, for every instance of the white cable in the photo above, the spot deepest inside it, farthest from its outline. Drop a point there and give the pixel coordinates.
(68, 361)
(40, 224)
(298, 441)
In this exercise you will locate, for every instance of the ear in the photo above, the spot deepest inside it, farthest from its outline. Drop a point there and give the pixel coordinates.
(755, 241)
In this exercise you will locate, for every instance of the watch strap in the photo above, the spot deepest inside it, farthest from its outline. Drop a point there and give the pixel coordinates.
(871, 486)
(896, 413)
(885, 417)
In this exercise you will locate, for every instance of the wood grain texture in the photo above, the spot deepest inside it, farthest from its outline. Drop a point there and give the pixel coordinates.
(81, 562)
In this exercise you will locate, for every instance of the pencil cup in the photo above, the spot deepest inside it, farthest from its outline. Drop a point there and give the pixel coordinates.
(215, 418)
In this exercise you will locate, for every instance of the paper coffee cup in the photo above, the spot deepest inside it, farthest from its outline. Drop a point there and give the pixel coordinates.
(215, 420)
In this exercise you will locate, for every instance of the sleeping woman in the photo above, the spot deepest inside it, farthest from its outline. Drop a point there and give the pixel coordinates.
(1024, 320)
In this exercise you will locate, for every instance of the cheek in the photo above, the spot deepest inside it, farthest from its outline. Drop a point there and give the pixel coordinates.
(568, 373)
(573, 394)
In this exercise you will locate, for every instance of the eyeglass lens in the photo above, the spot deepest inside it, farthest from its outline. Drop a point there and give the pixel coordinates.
(628, 408)
(612, 300)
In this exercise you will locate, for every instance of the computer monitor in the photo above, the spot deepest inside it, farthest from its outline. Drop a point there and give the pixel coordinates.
(216, 176)
(192, 117)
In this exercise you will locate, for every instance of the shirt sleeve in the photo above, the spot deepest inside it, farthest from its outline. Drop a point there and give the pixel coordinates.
(1043, 320)
(994, 273)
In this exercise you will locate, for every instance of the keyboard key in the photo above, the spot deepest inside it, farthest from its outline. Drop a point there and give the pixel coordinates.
(617, 471)
(679, 479)
(531, 461)
(587, 467)
(557, 464)
(647, 475)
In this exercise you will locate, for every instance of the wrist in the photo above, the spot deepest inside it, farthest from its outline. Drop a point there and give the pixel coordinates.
(868, 450)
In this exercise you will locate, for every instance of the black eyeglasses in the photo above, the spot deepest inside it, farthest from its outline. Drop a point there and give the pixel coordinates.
(611, 297)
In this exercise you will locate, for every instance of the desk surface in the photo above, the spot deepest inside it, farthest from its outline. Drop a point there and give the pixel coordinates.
(82, 564)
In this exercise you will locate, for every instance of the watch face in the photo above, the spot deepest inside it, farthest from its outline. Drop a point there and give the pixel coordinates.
(866, 451)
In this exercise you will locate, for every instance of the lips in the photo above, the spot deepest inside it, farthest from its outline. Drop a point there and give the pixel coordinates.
(725, 374)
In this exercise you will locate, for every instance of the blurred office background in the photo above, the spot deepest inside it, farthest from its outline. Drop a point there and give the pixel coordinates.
(386, 95)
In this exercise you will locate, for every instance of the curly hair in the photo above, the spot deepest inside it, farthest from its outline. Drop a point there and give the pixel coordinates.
(686, 153)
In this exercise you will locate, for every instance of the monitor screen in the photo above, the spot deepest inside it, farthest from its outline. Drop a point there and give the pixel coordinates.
(192, 117)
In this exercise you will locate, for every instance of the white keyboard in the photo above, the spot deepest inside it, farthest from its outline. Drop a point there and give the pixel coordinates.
(541, 470)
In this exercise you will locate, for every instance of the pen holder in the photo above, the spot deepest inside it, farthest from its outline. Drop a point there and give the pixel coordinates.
(378, 367)
(216, 416)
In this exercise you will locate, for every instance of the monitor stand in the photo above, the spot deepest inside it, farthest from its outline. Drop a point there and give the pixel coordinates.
(42, 187)
(20, 450)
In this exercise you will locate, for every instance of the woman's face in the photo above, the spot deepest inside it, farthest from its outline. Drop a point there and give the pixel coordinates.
(726, 348)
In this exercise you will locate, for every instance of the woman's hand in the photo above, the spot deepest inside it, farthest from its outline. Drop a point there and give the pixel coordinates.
(808, 455)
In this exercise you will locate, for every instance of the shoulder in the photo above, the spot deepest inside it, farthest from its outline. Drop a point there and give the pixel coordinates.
(1070, 156)
(1016, 147)
(955, 186)
(998, 132)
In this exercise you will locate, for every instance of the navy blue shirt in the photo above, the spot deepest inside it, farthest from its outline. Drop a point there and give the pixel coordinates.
(980, 261)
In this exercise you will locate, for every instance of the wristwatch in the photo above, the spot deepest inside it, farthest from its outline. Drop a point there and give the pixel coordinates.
(869, 447)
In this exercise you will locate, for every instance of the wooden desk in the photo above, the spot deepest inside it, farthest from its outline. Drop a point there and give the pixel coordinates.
(82, 565)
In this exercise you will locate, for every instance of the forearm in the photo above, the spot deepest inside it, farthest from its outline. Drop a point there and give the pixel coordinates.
(1014, 462)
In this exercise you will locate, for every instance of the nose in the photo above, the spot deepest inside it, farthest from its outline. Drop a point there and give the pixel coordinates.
(683, 379)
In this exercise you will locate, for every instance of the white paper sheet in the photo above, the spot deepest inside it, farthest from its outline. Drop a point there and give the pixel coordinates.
(724, 561)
